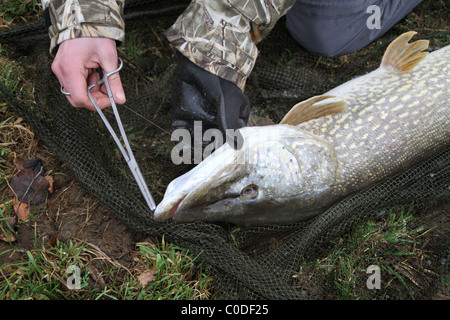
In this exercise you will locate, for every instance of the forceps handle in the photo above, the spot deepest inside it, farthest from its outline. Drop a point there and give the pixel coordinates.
(113, 104)
(129, 157)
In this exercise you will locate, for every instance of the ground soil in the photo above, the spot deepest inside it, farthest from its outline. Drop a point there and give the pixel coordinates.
(71, 213)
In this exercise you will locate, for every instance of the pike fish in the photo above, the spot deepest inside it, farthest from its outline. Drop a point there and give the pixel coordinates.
(326, 147)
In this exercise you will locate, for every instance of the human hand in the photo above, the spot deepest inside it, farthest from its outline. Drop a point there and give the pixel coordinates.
(198, 95)
(74, 66)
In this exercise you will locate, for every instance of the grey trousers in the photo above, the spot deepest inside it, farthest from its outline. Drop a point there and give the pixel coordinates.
(337, 27)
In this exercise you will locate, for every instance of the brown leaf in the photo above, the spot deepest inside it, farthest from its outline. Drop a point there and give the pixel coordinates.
(50, 183)
(147, 277)
(29, 184)
(21, 209)
(52, 240)
(7, 236)
(96, 276)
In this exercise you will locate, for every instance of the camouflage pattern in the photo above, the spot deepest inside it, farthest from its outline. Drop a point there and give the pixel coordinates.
(218, 36)
(84, 18)
(221, 36)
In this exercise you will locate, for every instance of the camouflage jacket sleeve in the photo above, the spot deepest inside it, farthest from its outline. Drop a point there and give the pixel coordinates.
(221, 36)
(84, 18)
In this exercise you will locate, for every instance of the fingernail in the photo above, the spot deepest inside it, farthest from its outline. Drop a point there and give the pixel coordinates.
(120, 96)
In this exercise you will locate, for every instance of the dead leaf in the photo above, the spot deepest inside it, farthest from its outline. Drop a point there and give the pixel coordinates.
(147, 277)
(7, 236)
(29, 184)
(21, 209)
(50, 183)
(96, 276)
(52, 240)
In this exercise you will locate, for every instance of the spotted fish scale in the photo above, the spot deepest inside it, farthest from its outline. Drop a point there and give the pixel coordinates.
(392, 120)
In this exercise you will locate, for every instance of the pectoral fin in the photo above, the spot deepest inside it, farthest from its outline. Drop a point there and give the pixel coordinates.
(311, 109)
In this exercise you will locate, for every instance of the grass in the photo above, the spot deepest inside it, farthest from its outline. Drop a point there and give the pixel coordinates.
(393, 243)
(174, 273)
(9, 78)
(158, 272)
(5, 165)
(41, 272)
(19, 10)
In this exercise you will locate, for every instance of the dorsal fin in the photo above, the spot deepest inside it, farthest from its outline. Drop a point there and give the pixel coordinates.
(307, 110)
(403, 56)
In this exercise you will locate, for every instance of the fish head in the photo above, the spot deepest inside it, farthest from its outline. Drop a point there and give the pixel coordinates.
(276, 177)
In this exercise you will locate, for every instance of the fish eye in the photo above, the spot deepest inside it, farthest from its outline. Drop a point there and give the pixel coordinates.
(249, 192)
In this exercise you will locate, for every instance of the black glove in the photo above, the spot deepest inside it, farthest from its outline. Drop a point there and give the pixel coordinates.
(198, 95)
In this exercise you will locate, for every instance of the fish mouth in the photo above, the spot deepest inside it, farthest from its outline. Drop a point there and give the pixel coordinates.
(192, 205)
(194, 190)
(197, 201)
(168, 212)
(185, 210)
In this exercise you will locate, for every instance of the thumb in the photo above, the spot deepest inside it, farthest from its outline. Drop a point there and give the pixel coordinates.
(116, 88)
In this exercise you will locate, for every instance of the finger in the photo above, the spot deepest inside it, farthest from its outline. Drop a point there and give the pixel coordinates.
(101, 99)
(73, 80)
(77, 87)
(99, 96)
(93, 78)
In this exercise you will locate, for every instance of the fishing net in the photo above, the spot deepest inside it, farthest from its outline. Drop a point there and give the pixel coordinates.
(299, 261)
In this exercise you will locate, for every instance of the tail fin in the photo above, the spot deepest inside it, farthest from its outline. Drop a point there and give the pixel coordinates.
(403, 56)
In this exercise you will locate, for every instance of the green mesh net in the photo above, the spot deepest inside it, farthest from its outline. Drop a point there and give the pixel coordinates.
(271, 262)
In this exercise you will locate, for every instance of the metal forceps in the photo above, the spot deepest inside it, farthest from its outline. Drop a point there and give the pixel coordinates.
(127, 154)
